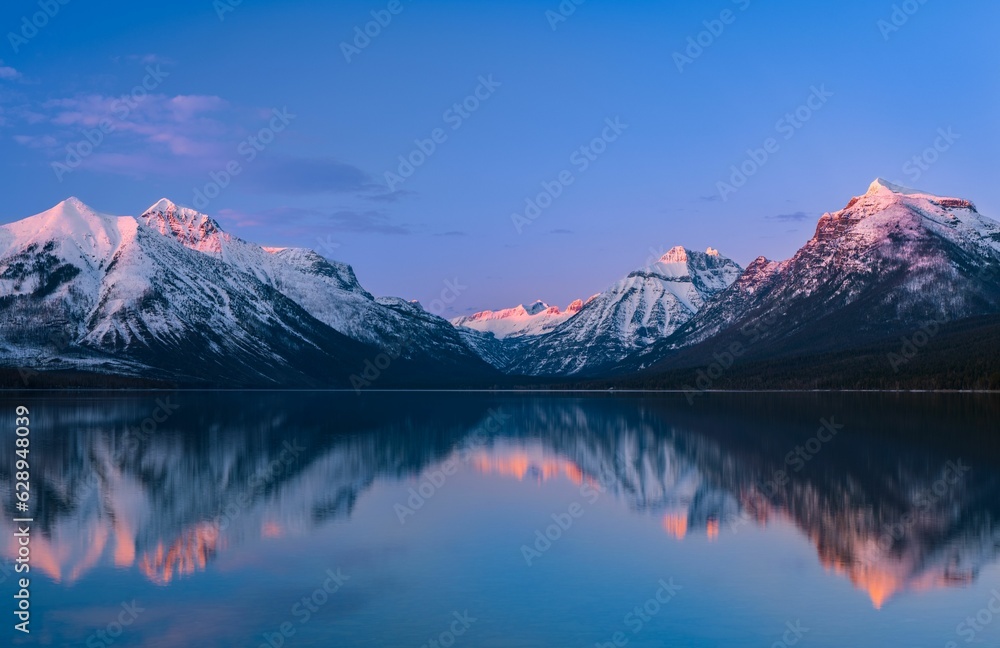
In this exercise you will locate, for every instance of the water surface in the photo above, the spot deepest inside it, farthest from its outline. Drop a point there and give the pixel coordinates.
(315, 519)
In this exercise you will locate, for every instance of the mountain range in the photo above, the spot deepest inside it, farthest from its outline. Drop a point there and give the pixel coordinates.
(890, 282)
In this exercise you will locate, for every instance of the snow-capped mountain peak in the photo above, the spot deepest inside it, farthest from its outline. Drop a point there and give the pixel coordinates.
(71, 231)
(880, 185)
(896, 217)
(537, 307)
(646, 306)
(193, 229)
(162, 205)
(170, 293)
(893, 258)
(676, 255)
(521, 321)
(882, 194)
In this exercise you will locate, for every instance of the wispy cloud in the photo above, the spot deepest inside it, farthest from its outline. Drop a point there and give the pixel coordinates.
(380, 193)
(299, 176)
(794, 216)
(183, 125)
(296, 218)
(370, 221)
(453, 233)
(8, 73)
(36, 141)
(149, 59)
(561, 231)
(177, 136)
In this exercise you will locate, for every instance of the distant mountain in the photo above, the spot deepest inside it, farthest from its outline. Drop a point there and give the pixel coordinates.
(892, 262)
(646, 306)
(521, 321)
(170, 295)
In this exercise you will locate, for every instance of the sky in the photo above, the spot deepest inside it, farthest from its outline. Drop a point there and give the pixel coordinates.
(488, 154)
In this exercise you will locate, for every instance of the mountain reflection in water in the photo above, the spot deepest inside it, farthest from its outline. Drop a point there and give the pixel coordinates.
(905, 497)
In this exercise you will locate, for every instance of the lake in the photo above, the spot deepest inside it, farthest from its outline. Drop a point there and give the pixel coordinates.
(476, 519)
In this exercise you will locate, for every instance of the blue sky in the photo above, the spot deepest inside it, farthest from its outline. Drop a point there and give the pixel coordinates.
(882, 90)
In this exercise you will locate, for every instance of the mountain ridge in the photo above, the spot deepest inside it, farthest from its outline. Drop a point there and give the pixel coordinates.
(141, 296)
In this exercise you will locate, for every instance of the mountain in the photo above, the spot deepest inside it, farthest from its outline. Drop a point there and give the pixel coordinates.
(170, 295)
(646, 306)
(892, 262)
(521, 321)
(327, 290)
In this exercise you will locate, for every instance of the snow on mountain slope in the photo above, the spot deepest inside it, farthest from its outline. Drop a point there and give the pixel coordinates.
(83, 290)
(170, 295)
(51, 271)
(521, 321)
(641, 309)
(892, 259)
(327, 290)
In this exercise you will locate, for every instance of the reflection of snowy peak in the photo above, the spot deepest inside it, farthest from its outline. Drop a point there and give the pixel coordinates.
(213, 480)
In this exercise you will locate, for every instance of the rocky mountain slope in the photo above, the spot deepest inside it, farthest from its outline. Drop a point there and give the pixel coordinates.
(170, 295)
(646, 306)
(893, 261)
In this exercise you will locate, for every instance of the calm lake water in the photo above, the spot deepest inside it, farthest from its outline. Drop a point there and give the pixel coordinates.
(317, 519)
